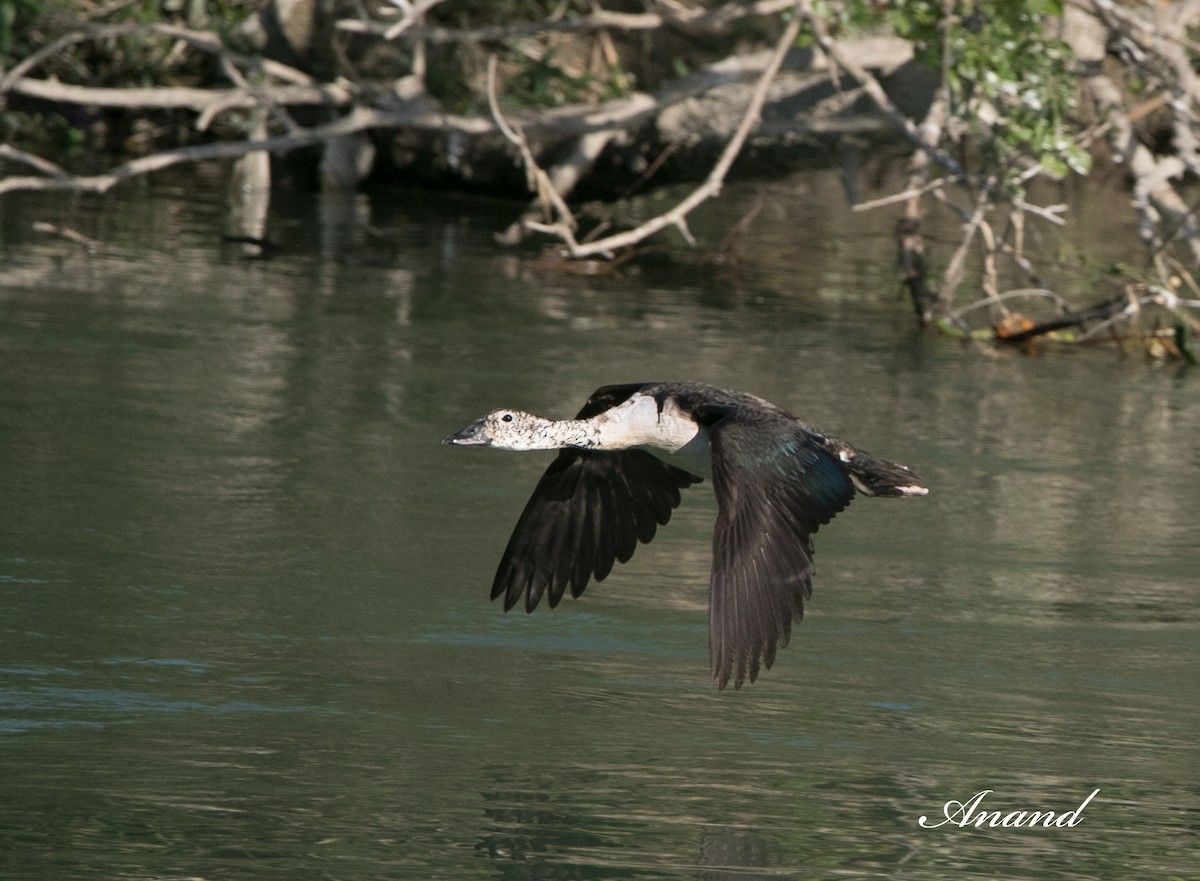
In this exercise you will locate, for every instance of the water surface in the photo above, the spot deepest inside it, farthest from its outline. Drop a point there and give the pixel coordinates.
(244, 628)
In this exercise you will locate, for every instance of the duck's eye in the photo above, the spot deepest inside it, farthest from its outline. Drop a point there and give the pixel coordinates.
(507, 417)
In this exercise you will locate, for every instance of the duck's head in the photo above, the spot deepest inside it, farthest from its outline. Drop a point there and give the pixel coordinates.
(507, 430)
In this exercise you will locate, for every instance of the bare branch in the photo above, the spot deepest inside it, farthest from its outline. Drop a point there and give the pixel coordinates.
(1024, 293)
(711, 186)
(1132, 308)
(66, 233)
(904, 196)
(44, 166)
(181, 97)
(539, 181)
(600, 19)
(357, 120)
(1046, 212)
(413, 14)
(991, 288)
(1156, 198)
(108, 9)
(910, 244)
(205, 41)
(871, 86)
(953, 275)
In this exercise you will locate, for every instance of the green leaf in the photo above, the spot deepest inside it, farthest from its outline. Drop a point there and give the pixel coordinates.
(1078, 158)
(1053, 166)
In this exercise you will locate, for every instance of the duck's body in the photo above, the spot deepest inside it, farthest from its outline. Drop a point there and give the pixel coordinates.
(623, 460)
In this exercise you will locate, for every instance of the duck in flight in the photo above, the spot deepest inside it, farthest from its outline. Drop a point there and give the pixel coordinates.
(622, 462)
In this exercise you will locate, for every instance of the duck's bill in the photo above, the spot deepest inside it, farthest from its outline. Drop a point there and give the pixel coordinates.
(473, 435)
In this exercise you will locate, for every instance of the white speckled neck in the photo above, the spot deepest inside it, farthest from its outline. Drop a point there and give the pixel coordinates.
(640, 422)
(582, 433)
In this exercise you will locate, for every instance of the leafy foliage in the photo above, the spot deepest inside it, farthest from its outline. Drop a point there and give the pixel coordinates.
(543, 82)
(1008, 78)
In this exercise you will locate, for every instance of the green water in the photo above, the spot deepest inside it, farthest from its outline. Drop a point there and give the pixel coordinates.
(244, 626)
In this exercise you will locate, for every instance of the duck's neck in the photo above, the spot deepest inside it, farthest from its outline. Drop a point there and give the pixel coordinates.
(581, 433)
(677, 441)
(637, 423)
(598, 433)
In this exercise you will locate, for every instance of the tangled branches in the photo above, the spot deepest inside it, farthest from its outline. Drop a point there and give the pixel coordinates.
(1154, 51)
(1028, 95)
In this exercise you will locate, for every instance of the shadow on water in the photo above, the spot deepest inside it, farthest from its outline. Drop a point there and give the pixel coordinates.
(244, 625)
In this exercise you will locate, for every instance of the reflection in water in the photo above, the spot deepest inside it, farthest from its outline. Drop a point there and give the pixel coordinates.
(543, 824)
(250, 197)
(727, 853)
(527, 825)
(244, 623)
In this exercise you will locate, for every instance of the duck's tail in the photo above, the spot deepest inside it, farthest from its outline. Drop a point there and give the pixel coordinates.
(875, 477)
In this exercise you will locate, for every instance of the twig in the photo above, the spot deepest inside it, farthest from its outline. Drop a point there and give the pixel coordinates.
(909, 241)
(109, 9)
(914, 193)
(953, 274)
(601, 19)
(957, 314)
(206, 41)
(738, 230)
(652, 169)
(567, 122)
(1132, 308)
(298, 90)
(1096, 22)
(677, 216)
(990, 287)
(66, 233)
(182, 97)
(263, 97)
(413, 13)
(1046, 212)
(963, 214)
(356, 121)
(1180, 78)
(1016, 251)
(42, 165)
(539, 181)
(871, 86)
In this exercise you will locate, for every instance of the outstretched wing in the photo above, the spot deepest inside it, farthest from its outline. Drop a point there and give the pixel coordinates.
(589, 510)
(775, 485)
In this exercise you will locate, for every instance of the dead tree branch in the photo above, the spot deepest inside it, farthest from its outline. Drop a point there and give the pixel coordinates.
(875, 91)
(692, 20)
(412, 14)
(275, 87)
(205, 41)
(552, 203)
(183, 98)
(37, 162)
(677, 216)
(1091, 26)
(359, 119)
(910, 243)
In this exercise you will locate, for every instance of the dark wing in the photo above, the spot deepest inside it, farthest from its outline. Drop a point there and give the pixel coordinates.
(775, 485)
(589, 510)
